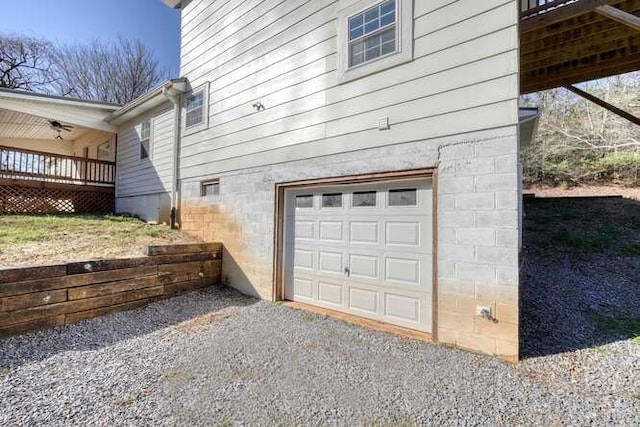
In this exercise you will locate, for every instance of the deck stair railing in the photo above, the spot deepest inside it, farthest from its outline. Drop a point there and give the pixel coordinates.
(17, 163)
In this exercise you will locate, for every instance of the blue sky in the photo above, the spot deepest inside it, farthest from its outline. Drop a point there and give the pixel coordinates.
(77, 21)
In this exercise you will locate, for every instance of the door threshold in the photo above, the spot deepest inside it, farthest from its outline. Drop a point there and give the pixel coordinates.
(362, 321)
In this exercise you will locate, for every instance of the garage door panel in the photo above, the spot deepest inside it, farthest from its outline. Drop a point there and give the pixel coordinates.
(364, 266)
(402, 270)
(303, 288)
(330, 293)
(371, 256)
(404, 233)
(364, 232)
(332, 231)
(303, 258)
(365, 300)
(331, 262)
(402, 307)
(305, 229)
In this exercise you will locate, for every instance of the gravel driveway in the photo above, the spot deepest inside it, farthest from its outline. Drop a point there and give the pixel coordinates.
(219, 358)
(216, 357)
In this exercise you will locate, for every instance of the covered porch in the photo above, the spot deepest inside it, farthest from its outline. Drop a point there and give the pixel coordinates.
(56, 155)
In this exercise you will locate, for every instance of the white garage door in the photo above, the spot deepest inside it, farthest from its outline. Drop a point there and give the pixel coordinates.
(363, 249)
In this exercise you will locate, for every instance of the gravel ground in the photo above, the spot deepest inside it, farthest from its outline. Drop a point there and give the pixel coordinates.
(216, 357)
(219, 358)
(580, 296)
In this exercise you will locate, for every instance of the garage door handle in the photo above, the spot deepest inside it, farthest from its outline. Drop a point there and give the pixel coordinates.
(347, 272)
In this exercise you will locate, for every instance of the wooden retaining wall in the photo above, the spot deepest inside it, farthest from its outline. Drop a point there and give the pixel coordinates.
(42, 297)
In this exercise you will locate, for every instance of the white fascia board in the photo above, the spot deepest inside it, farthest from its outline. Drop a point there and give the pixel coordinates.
(155, 97)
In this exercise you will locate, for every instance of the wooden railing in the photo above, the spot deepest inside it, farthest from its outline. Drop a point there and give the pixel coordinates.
(17, 163)
(530, 8)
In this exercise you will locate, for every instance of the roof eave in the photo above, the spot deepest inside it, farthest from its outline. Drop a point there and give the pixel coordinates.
(174, 4)
(148, 101)
(54, 99)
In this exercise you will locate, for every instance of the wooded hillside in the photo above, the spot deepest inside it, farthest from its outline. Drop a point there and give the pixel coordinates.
(580, 142)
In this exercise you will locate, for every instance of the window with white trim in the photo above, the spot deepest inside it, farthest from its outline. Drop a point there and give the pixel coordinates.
(374, 36)
(372, 33)
(145, 139)
(195, 108)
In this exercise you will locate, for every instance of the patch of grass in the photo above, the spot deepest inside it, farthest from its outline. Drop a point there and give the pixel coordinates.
(177, 376)
(583, 227)
(15, 229)
(127, 401)
(623, 325)
(309, 317)
(4, 371)
(48, 239)
(242, 374)
(586, 241)
(632, 249)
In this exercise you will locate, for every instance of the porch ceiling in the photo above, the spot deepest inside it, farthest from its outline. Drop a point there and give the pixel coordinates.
(573, 43)
(15, 125)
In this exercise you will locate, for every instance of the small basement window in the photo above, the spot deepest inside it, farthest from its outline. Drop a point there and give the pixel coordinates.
(210, 188)
(145, 139)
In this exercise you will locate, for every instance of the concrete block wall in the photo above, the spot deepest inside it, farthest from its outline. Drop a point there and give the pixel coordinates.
(477, 214)
(478, 229)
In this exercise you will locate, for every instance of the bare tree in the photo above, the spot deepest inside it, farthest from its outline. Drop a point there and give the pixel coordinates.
(115, 72)
(578, 141)
(25, 63)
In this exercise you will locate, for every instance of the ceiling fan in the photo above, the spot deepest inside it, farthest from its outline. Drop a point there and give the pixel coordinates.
(59, 127)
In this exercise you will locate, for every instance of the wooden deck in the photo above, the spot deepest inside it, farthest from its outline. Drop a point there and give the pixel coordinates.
(563, 42)
(38, 182)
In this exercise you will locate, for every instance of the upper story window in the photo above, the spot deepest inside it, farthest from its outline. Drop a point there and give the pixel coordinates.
(374, 36)
(145, 139)
(372, 33)
(196, 109)
(194, 106)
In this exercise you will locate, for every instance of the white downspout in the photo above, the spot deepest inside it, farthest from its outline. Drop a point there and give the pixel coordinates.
(173, 92)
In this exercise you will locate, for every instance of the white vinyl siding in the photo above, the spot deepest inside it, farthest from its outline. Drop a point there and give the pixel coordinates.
(463, 78)
(153, 176)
